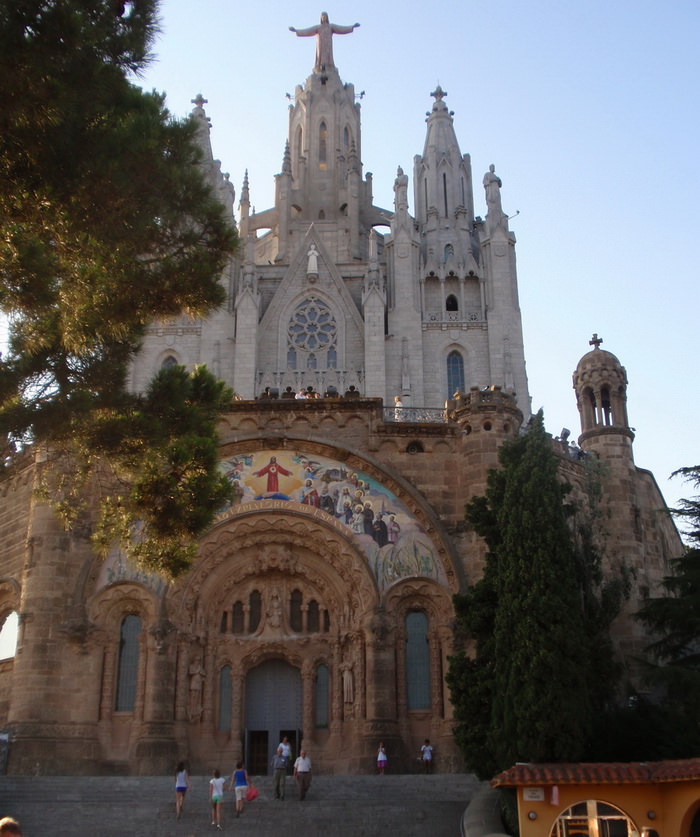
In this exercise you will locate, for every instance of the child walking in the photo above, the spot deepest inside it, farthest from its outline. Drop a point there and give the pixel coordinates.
(182, 785)
(216, 797)
(239, 781)
(381, 759)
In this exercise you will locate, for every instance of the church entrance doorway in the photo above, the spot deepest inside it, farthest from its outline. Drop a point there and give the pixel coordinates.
(273, 710)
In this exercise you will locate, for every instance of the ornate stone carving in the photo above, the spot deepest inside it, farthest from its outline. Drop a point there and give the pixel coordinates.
(196, 673)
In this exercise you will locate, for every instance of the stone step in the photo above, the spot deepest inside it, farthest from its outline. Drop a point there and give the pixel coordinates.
(144, 806)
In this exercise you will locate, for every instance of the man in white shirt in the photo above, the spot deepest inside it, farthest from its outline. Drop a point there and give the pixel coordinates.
(302, 774)
(286, 753)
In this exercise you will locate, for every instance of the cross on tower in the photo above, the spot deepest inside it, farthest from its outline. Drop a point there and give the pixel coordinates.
(595, 341)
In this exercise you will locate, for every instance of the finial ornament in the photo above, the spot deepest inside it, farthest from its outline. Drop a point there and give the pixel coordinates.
(439, 94)
(199, 100)
(324, 32)
(595, 341)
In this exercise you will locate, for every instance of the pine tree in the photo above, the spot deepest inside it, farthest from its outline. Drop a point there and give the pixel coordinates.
(106, 224)
(529, 692)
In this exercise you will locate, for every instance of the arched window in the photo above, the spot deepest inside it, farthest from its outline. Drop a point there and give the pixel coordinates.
(346, 138)
(332, 358)
(295, 611)
(606, 406)
(299, 146)
(451, 303)
(313, 623)
(593, 817)
(237, 618)
(590, 409)
(168, 362)
(322, 145)
(8, 636)
(225, 692)
(128, 664)
(291, 359)
(444, 191)
(455, 373)
(311, 361)
(417, 661)
(321, 701)
(224, 622)
(254, 604)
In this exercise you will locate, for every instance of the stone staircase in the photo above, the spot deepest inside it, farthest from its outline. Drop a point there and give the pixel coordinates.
(144, 806)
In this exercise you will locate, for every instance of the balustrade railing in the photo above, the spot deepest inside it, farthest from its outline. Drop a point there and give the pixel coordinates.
(432, 415)
(472, 316)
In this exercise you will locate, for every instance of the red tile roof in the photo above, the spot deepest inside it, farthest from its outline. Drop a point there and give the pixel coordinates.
(602, 773)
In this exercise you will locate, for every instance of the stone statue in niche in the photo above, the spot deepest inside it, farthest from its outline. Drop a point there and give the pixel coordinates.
(312, 265)
(196, 673)
(274, 610)
(348, 682)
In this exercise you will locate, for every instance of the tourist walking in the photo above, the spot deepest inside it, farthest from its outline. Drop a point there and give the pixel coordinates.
(279, 773)
(381, 759)
(302, 774)
(216, 797)
(182, 785)
(286, 753)
(426, 753)
(239, 783)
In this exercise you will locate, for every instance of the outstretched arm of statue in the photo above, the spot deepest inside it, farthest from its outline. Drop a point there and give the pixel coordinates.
(304, 33)
(337, 29)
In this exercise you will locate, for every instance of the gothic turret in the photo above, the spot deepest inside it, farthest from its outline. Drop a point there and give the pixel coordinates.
(600, 381)
(443, 198)
(212, 168)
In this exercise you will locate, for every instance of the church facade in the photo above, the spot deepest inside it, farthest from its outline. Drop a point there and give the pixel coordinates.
(320, 605)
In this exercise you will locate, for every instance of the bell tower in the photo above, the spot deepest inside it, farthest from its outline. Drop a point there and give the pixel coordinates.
(600, 382)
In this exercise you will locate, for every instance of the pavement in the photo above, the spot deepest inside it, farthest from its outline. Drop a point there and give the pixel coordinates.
(144, 806)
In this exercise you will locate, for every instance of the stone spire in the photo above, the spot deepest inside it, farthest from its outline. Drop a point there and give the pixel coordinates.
(203, 126)
(443, 195)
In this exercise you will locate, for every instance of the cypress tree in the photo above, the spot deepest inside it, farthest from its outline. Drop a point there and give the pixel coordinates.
(529, 691)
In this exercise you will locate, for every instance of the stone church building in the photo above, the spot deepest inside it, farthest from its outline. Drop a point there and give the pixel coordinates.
(320, 605)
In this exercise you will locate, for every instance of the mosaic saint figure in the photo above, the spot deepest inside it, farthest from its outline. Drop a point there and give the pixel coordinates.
(272, 470)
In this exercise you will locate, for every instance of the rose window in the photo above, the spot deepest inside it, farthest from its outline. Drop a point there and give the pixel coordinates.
(312, 327)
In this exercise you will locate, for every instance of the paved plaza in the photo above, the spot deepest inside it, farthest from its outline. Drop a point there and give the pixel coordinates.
(120, 806)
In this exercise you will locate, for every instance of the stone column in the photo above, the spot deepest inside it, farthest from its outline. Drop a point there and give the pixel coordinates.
(435, 674)
(108, 666)
(237, 719)
(307, 683)
(182, 682)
